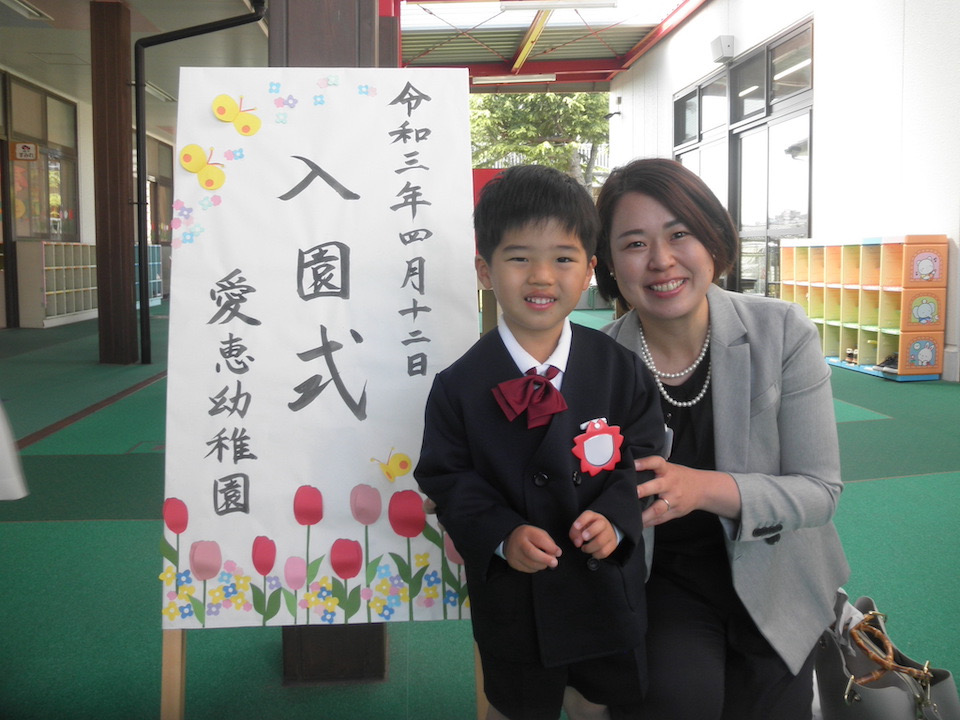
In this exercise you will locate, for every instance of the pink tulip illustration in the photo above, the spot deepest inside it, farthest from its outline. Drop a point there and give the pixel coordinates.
(451, 551)
(365, 504)
(205, 562)
(205, 559)
(295, 572)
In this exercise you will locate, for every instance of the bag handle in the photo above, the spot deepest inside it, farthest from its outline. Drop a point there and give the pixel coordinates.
(885, 661)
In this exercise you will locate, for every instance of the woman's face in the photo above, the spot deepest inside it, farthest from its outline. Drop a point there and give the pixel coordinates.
(661, 268)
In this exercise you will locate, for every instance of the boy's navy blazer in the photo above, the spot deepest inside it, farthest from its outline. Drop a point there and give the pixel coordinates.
(488, 476)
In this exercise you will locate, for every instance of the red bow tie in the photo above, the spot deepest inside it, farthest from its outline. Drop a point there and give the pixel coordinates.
(533, 393)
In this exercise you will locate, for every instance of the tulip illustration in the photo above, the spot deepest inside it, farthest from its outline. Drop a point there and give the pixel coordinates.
(205, 562)
(308, 505)
(308, 510)
(346, 556)
(264, 554)
(205, 559)
(175, 515)
(408, 519)
(366, 506)
(295, 574)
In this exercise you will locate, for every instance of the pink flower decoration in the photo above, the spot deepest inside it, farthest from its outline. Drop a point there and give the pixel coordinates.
(346, 556)
(205, 559)
(451, 551)
(365, 504)
(175, 515)
(264, 554)
(406, 514)
(295, 572)
(308, 505)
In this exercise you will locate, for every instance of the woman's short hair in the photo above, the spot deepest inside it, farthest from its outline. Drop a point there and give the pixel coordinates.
(682, 193)
(529, 194)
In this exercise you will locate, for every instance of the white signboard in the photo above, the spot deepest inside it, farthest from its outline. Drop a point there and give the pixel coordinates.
(322, 274)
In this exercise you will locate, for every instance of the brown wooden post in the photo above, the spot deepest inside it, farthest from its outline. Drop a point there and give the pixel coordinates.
(110, 54)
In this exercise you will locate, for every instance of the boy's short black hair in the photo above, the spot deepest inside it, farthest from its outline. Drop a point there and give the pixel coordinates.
(533, 193)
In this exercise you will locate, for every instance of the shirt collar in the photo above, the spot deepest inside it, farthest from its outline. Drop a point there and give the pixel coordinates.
(525, 361)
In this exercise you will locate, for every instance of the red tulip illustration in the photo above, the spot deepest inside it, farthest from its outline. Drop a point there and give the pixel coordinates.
(406, 514)
(346, 556)
(264, 554)
(175, 515)
(365, 504)
(308, 505)
(205, 559)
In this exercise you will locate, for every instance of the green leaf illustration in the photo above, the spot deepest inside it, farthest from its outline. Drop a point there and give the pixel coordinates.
(452, 581)
(169, 552)
(403, 569)
(352, 603)
(431, 534)
(273, 604)
(258, 599)
(313, 569)
(198, 609)
(291, 600)
(372, 568)
(416, 583)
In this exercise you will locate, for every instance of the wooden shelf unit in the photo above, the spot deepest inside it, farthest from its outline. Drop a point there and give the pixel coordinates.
(880, 296)
(57, 282)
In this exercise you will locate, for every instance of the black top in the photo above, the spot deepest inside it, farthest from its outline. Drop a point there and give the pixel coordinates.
(690, 550)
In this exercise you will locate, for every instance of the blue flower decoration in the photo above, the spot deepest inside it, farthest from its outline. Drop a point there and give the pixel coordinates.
(450, 598)
(184, 578)
(386, 613)
(238, 154)
(324, 592)
(432, 578)
(188, 238)
(225, 577)
(230, 590)
(328, 617)
(394, 601)
(384, 571)
(319, 100)
(186, 611)
(274, 87)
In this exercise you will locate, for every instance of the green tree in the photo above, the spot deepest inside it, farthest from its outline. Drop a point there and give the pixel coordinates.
(541, 128)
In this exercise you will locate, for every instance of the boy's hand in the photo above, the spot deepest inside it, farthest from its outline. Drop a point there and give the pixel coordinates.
(593, 533)
(530, 549)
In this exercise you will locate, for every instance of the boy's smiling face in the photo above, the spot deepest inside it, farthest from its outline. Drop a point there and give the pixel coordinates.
(538, 273)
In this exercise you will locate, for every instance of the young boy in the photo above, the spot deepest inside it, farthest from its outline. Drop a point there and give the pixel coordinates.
(541, 501)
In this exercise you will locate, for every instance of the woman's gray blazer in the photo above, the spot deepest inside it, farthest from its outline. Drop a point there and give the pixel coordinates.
(775, 434)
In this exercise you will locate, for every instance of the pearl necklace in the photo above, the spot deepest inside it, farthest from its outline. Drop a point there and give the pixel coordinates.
(647, 358)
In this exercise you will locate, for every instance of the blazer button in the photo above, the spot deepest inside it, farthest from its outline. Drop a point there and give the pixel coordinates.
(577, 479)
(593, 564)
(540, 479)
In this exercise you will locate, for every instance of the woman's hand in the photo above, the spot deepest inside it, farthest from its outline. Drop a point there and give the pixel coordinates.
(681, 490)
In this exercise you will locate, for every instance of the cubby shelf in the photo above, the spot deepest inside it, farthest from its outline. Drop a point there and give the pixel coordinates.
(879, 297)
(57, 282)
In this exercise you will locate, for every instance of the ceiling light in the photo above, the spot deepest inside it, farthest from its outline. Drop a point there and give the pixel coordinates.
(157, 92)
(26, 9)
(556, 4)
(513, 79)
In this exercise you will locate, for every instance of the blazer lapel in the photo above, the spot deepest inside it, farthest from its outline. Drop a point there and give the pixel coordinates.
(730, 360)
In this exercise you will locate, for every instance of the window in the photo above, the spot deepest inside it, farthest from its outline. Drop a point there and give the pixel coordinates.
(45, 196)
(752, 147)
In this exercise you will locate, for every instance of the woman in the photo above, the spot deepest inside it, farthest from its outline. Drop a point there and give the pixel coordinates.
(746, 560)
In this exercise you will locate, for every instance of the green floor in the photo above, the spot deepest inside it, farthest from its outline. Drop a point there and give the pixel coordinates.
(78, 612)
